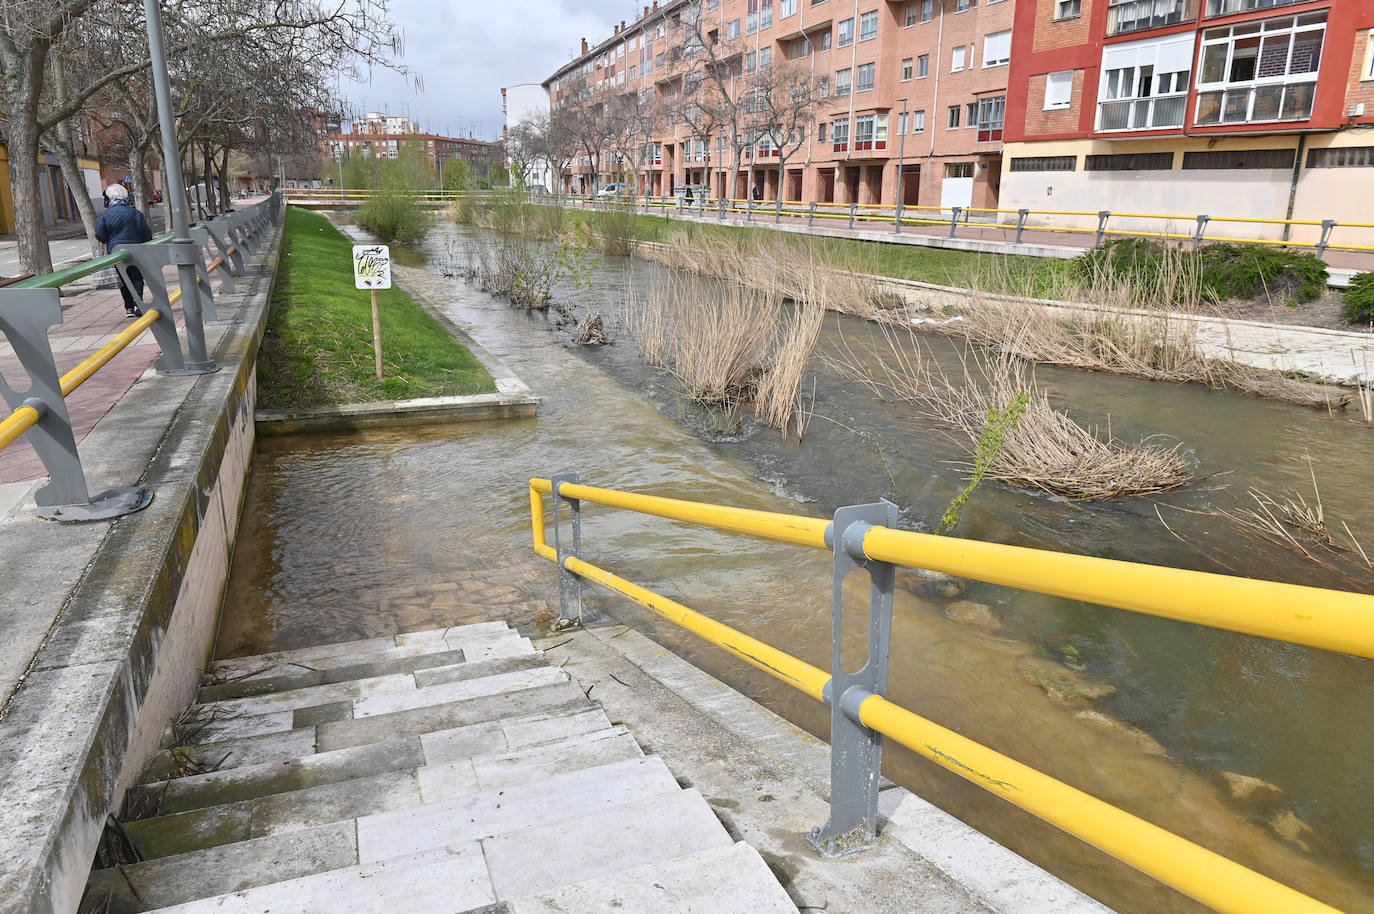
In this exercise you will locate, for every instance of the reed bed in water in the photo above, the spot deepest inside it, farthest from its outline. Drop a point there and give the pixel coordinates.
(1046, 449)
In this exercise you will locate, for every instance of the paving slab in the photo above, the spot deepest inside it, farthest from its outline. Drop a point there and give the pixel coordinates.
(732, 878)
(461, 690)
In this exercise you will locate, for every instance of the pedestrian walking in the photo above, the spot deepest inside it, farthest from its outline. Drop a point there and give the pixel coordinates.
(122, 224)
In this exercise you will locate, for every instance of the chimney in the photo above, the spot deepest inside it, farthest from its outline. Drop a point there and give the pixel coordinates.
(615, 30)
(655, 6)
(646, 12)
(584, 46)
(622, 25)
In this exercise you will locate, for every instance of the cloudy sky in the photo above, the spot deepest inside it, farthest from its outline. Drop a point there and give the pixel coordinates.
(464, 51)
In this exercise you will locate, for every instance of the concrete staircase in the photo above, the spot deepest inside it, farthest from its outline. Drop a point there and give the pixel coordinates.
(442, 771)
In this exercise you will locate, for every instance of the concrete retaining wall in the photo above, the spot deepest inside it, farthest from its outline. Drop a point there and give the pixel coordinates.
(133, 604)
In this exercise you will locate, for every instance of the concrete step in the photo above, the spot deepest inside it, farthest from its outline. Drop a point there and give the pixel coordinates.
(341, 734)
(394, 788)
(393, 694)
(641, 835)
(732, 878)
(445, 746)
(243, 864)
(388, 678)
(345, 652)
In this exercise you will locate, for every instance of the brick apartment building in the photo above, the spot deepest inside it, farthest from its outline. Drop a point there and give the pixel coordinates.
(946, 60)
(1240, 108)
(382, 136)
(1223, 107)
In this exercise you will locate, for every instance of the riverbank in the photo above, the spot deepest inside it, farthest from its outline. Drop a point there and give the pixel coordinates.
(317, 349)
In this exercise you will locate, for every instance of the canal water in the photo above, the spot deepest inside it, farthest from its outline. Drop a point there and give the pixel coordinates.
(1257, 750)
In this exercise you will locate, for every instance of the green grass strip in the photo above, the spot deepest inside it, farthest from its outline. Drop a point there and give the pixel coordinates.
(317, 350)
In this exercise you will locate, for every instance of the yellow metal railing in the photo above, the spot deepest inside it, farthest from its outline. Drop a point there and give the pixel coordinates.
(1333, 620)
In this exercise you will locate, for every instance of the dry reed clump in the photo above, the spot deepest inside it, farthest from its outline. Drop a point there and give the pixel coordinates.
(521, 271)
(798, 267)
(1147, 328)
(727, 344)
(1045, 449)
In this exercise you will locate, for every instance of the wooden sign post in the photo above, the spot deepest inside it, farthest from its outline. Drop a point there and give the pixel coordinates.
(372, 271)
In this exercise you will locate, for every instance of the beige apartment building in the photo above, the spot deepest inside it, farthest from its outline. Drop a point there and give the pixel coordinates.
(916, 89)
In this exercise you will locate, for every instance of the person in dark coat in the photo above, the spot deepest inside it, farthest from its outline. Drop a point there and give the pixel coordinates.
(122, 224)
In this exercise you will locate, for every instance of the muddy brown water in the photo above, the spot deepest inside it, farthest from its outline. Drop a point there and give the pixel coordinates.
(1254, 749)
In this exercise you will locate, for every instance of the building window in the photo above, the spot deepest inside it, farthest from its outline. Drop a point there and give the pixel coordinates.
(1068, 9)
(910, 15)
(712, 5)
(766, 14)
(1130, 161)
(765, 58)
(918, 121)
(1369, 56)
(961, 5)
(868, 26)
(957, 58)
(1134, 15)
(751, 19)
(787, 8)
(1045, 163)
(906, 70)
(927, 10)
(971, 115)
(825, 86)
(997, 48)
(845, 33)
(825, 40)
(800, 48)
(954, 112)
(842, 81)
(751, 61)
(1241, 158)
(1349, 157)
(820, 132)
(991, 113)
(732, 30)
(1260, 71)
(1137, 98)
(923, 66)
(863, 132)
(863, 77)
(1226, 7)
(839, 135)
(958, 169)
(1058, 89)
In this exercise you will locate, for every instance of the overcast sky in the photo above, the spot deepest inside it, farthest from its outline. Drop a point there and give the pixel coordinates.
(464, 51)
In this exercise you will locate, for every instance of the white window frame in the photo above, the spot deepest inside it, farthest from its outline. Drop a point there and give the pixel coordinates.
(1368, 72)
(927, 10)
(1232, 91)
(787, 8)
(845, 86)
(953, 115)
(1068, 9)
(958, 59)
(908, 69)
(765, 57)
(922, 66)
(865, 20)
(1058, 90)
(865, 69)
(910, 18)
(917, 120)
(840, 30)
(990, 49)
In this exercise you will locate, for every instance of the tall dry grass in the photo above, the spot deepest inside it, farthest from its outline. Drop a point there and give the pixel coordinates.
(1045, 449)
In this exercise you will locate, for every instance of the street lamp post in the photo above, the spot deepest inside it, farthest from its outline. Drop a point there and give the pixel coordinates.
(901, 168)
(184, 251)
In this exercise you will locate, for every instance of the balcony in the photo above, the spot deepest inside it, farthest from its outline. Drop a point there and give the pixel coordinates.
(1142, 113)
(1137, 15)
(1255, 104)
(1227, 7)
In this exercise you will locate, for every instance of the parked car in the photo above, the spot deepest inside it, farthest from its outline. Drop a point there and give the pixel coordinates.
(615, 190)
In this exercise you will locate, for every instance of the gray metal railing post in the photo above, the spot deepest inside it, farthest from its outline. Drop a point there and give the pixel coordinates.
(1102, 217)
(954, 220)
(150, 259)
(25, 316)
(856, 751)
(221, 235)
(897, 219)
(749, 210)
(201, 237)
(1021, 215)
(811, 215)
(853, 207)
(720, 208)
(1328, 225)
(569, 584)
(1200, 230)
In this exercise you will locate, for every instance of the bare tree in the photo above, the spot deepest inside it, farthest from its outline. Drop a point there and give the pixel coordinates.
(784, 101)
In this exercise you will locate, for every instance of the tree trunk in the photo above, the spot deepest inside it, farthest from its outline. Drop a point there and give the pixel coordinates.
(34, 256)
(60, 147)
(212, 201)
(224, 194)
(138, 168)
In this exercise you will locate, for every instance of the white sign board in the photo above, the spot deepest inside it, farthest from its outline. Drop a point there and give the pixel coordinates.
(371, 266)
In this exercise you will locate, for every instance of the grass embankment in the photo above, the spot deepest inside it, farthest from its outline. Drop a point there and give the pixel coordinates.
(317, 350)
(900, 261)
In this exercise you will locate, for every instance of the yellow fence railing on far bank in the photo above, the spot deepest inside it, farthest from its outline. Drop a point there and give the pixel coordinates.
(861, 715)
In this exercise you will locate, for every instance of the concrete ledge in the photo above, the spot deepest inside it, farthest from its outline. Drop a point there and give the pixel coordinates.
(117, 618)
(769, 783)
(394, 413)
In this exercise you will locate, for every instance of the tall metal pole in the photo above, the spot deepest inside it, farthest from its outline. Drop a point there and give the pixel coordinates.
(185, 249)
(901, 167)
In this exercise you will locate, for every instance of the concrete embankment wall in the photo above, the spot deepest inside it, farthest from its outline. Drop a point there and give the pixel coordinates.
(132, 606)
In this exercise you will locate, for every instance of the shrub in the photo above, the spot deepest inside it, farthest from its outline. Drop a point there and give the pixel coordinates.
(1359, 299)
(394, 217)
(1248, 271)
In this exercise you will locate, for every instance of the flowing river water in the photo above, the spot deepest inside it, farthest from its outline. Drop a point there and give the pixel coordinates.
(1258, 750)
